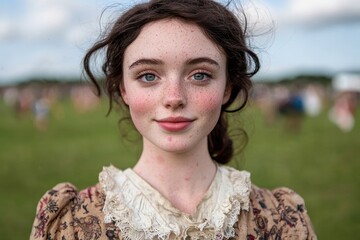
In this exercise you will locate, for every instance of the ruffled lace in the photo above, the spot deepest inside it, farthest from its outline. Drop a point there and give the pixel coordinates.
(141, 212)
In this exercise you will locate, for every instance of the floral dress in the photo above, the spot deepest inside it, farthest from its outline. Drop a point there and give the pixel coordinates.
(124, 206)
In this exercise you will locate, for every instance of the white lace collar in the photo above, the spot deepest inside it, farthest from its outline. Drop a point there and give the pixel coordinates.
(141, 212)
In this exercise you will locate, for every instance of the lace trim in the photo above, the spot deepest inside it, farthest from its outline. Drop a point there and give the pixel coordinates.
(145, 214)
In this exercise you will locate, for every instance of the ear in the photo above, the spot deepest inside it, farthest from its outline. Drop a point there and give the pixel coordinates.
(227, 94)
(123, 93)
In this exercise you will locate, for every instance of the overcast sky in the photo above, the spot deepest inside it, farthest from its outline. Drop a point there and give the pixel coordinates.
(49, 37)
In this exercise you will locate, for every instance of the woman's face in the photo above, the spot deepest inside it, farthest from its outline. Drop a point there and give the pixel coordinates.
(174, 85)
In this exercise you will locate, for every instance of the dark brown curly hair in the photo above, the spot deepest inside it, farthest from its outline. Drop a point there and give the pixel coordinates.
(219, 24)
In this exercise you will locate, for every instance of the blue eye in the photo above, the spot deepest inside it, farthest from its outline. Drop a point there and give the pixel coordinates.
(148, 77)
(200, 76)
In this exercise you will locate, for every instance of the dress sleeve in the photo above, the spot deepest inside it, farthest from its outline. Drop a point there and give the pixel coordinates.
(291, 202)
(53, 213)
(278, 214)
(64, 213)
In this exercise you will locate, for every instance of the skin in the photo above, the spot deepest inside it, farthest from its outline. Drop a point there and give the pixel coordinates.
(173, 70)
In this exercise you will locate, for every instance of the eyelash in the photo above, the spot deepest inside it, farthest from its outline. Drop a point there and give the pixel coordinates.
(143, 74)
(206, 74)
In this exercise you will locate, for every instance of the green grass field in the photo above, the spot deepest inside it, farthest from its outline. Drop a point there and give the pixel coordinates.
(320, 162)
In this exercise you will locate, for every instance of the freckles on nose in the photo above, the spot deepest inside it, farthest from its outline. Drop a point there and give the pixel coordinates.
(174, 84)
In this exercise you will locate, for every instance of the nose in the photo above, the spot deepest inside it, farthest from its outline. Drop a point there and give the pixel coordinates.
(175, 94)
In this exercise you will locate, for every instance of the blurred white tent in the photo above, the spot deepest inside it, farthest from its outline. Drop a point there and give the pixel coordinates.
(346, 82)
(347, 86)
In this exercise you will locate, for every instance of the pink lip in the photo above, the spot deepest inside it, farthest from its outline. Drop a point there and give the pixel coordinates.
(174, 124)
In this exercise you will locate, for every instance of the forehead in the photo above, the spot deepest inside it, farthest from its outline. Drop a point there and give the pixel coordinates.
(173, 37)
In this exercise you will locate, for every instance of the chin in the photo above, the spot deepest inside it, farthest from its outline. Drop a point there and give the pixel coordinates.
(177, 148)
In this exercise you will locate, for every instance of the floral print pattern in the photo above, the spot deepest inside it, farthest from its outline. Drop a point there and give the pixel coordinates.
(63, 213)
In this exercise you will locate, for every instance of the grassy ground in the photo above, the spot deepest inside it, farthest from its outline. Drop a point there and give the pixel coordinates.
(320, 162)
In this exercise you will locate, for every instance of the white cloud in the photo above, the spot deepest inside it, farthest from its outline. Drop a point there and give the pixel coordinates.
(46, 37)
(47, 15)
(263, 14)
(319, 12)
(43, 19)
(5, 28)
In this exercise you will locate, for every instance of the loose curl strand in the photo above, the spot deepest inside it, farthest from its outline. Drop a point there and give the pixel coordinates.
(218, 23)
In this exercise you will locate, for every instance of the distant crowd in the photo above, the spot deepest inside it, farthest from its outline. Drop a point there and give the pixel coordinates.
(294, 102)
(291, 102)
(41, 100)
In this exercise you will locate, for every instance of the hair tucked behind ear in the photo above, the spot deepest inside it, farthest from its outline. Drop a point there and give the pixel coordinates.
(218, 23)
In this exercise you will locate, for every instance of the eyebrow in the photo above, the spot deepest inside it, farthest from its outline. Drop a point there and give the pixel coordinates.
(193, 61)
(146, 61)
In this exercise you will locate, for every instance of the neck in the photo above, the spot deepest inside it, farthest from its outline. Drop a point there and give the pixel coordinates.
(182, 178)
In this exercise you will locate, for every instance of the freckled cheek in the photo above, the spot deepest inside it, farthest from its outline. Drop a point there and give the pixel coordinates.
(139, 100)
(140, 106)
(210, 102)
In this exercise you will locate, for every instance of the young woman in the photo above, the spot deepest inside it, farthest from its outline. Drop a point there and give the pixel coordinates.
(178, 67)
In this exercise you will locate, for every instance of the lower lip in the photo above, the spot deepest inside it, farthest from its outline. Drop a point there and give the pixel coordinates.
(174, 126)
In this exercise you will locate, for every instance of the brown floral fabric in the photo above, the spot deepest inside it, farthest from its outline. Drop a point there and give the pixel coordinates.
(63, 213)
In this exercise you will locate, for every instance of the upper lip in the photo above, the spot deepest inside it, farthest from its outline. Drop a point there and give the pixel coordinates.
(175, 119)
